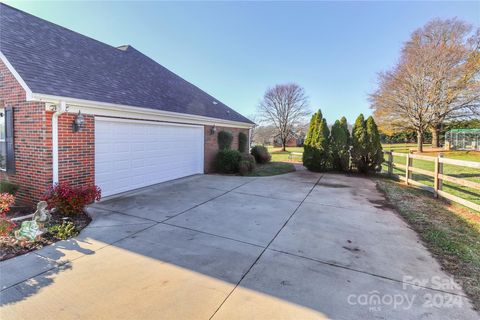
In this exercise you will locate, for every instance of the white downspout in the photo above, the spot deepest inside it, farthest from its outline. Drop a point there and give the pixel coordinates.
(249, 139)
(62, 107)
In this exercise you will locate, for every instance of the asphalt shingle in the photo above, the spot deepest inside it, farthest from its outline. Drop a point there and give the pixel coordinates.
(57, 61)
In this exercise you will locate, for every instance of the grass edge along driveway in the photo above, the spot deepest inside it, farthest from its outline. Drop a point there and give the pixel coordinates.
(450, 231)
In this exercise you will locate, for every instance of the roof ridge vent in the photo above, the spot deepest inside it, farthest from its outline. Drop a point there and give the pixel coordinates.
(124, 47)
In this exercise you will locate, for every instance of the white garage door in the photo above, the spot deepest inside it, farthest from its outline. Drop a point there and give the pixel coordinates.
(135, 154)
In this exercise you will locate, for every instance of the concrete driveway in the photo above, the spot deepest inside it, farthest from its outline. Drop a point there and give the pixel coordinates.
(295, 246)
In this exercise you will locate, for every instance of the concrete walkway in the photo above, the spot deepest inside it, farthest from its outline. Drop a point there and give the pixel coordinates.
(295, 246)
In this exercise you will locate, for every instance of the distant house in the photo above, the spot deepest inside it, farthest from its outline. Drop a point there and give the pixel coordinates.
(295, 139)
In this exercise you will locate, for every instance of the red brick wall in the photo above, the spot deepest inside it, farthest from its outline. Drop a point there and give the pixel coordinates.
(32, 135)
(211, 144)
(76, 151)
(33, 144)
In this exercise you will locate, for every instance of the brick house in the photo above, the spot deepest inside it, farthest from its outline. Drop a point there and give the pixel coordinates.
(76, 110)
(291, 141)
(295, 139)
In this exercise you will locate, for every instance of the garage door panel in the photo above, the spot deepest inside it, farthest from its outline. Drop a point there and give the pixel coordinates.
(131, 155)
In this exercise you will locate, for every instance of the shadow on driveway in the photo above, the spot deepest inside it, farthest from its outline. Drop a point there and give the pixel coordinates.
(221, 247)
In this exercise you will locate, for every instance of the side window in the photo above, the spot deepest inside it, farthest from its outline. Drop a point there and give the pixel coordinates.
(3, 142)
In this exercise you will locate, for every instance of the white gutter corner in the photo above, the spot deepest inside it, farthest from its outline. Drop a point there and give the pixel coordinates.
(61, 108)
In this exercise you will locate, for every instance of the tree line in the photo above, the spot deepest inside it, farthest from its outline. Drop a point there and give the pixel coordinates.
(407, 136)
(338, 150)
(435, 80)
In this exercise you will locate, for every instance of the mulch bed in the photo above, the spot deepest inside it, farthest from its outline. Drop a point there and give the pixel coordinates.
(9, 248)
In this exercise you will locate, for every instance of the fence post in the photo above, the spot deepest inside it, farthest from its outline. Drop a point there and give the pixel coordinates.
(407, 166)
(440, 171)
(390, 163)
(435, 177)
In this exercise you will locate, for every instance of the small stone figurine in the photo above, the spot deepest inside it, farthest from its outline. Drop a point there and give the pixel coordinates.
(42, 215)
(30, 230)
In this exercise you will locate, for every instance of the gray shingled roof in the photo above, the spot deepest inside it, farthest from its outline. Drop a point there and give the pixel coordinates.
(56, 61)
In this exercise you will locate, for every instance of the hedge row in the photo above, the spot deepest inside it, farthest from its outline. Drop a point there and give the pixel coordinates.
(335, 149)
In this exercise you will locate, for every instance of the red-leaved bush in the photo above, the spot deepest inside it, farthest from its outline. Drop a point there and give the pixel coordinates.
(6, 201)
(6, 225)
(71, 200)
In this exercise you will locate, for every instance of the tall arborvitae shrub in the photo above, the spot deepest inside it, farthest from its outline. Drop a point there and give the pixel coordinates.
(242, 142)
(314, 124)
(367, 152)
(344, 125)
(360, 145)
(309, 150)
(339, 139)
(324, 142)
(374, 148)
(316, 154)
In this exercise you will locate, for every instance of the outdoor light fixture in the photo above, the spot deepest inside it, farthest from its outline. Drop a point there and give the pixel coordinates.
(78, 122)
(213, 130)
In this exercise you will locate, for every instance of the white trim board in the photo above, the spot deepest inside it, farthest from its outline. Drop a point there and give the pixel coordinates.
(173, 124)
(123, 111)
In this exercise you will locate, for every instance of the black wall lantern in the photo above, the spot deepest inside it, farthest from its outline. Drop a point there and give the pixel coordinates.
(213, 130)
(78, 122)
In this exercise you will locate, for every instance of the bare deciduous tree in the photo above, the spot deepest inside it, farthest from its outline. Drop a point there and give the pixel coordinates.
(401, 101)
(253, 130)
(436, 79)
(263, 135)
(284, 106)
(455, 67)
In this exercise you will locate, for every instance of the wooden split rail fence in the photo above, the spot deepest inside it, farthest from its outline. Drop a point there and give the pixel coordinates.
(437, 175)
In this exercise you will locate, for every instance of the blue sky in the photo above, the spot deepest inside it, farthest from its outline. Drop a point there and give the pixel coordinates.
(235, 50)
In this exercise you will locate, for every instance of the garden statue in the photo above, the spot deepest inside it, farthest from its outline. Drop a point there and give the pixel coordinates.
(30, 230)
(42, 215)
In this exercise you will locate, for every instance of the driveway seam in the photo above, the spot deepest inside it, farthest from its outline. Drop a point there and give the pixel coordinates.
(126, 214)
(212, 234)
(176, 214)
(198, 205)
(265, 249)
(363, 272)
(118, 225)
(155, 223)
(59, 264)
(267, 197)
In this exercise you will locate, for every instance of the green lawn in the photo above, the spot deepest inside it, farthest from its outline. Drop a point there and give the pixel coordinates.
(279, 155)
(401, 147)
(452, 170)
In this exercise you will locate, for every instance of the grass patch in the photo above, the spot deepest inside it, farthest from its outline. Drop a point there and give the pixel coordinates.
(466, 173)
(451, 232)
(279, 155)
(271, 169)
(402, 147)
